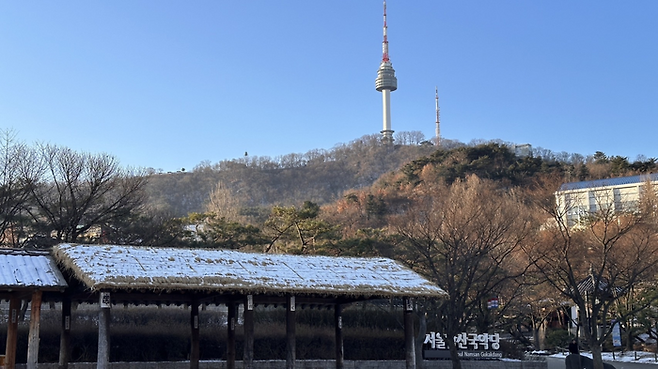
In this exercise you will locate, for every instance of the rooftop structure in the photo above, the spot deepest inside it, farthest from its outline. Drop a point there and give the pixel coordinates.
(23, 270)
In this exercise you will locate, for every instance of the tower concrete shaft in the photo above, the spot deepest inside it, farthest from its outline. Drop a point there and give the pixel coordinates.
(386, 83)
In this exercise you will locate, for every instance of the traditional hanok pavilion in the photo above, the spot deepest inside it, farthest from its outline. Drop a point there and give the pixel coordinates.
(26, 275)
(111, 274)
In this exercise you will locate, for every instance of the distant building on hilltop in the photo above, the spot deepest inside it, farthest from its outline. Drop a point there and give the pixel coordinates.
(578, 200)
(522, 150)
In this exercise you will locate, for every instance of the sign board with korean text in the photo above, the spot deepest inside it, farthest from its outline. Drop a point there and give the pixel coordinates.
(479, 346)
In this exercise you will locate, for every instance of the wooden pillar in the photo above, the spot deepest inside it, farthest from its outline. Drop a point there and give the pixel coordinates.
(103, 360)
(409, 336)
(33, 335)
(230, 345)
(12, 332)
(338, 323)
(195, 353)
(248, 352)
(291, 347)
(65, 334)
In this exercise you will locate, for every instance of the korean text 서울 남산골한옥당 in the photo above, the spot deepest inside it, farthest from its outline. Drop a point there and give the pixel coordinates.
(465, 341)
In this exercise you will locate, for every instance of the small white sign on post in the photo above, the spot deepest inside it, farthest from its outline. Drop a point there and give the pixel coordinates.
(291, 303)
(105, 301)
(408, 306)
(616, 334)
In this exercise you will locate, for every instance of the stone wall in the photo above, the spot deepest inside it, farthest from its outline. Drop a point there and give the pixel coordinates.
(310, 364)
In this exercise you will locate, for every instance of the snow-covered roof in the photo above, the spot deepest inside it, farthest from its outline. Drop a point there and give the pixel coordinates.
(20, 269)
(228, 271)
(587, 285)
(609, 182)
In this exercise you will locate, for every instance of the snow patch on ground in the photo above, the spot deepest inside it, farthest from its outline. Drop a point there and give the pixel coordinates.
(627, 356)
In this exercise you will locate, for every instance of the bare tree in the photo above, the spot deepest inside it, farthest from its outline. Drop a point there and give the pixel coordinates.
(533, 310)
(80, 192)
(17, 175)
(597, 260)
(409, 137)
(225, 203)
(466, 237)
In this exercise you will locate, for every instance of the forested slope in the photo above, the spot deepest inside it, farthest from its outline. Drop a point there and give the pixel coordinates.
(320, 176)
(324, 176)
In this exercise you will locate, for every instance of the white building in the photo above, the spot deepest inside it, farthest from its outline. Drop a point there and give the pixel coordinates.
(577, 200)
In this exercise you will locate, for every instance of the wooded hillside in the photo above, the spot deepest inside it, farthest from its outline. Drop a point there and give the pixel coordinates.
(324, 176)
(319, 175)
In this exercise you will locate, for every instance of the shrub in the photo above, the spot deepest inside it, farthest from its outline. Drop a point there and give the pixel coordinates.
(556, 338)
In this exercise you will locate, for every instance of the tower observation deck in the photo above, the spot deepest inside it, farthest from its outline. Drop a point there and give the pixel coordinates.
(385, 83)
(386, 78)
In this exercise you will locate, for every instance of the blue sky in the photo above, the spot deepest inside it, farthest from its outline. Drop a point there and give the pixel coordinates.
(169, 84)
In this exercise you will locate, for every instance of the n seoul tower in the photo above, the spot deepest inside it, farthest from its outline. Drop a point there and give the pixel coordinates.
(385, 83)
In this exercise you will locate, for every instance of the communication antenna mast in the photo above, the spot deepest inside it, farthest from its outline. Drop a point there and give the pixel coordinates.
(438, 120)
(385, 42)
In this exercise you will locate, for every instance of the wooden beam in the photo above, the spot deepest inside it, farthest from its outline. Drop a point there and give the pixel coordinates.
(23, 293)
(300, 300)
(103, 360)
(230, 345)
(209, 297)
(338, 323)
(195, 353)
(409, 336)
(12, 332)
(33, 335)
(65, 334)
(291, 347)
(248, 351)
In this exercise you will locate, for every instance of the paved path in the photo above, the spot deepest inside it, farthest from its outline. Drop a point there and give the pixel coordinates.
(555, 363)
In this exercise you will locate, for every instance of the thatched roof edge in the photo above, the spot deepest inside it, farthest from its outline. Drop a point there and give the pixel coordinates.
(228, 285)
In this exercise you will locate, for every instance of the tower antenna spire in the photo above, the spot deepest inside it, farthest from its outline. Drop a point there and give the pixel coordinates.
(438, 121)
(385, 42)
(386, 83)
